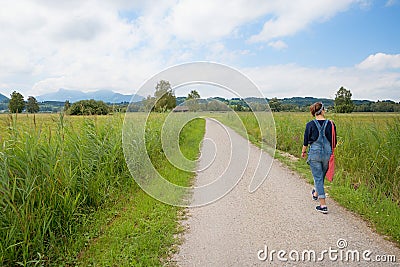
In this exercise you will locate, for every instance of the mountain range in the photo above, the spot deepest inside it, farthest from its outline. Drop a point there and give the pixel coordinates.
(3, 97)
(107, 96)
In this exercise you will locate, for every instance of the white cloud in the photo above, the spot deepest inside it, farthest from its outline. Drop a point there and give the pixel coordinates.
(391, 3)
(291, 17)
(89, 45)
(293, 80)
(279, 45)
(82, 45)
(381, 61)
(210, 20)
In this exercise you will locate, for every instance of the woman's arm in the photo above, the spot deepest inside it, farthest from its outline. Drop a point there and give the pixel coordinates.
(305, 141)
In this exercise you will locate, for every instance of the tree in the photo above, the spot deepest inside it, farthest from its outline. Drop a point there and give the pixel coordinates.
(17, 103)
(343, 102)
(216, 105)
(238, 107)
(89, 107)
(192, 100)
(275, 104)
(148, 103)
(164, 96)
(193, 95)
(32, 105)
(67, 105)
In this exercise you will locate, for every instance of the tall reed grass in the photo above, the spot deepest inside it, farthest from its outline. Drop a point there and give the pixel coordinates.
(55, 171)
(369, 154)
(145, 233)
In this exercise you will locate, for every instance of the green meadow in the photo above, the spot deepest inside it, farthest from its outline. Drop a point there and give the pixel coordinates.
(67, 197)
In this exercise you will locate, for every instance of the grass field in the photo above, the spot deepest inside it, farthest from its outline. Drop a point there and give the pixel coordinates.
(367, 179)
(67, 197)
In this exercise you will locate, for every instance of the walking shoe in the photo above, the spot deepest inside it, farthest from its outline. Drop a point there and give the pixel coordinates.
(323, 210)
(314, 197)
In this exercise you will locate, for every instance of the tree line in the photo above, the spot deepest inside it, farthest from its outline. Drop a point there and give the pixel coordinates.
(17, 104)
(164, 100)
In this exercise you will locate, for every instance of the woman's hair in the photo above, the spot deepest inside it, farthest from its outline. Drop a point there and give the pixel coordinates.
(316, 108)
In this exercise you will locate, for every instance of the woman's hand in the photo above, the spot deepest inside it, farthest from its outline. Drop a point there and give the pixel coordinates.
(304, 152)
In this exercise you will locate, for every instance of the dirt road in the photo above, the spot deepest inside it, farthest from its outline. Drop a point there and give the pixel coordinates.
(277, 225)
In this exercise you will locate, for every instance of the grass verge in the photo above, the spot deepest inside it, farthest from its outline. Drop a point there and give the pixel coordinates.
(143, 233)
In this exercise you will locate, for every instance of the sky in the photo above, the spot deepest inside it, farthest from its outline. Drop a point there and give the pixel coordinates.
(287, 48)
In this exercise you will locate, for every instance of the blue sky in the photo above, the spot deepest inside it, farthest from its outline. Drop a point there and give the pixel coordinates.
(288, 48)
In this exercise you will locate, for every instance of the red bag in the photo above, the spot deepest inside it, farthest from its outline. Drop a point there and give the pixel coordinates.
(331, 168)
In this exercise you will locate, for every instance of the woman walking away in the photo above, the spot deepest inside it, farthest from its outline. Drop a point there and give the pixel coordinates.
(318, 135)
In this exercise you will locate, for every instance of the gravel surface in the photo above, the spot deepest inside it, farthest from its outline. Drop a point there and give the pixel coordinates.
(240, 227)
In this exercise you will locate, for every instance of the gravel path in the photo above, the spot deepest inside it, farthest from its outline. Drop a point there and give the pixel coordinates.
(237, 229)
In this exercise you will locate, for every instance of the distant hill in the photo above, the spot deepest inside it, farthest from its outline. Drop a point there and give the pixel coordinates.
(307, 101)
(107, 96)
(3, 98)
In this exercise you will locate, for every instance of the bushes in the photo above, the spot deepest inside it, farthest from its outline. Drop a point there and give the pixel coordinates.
(89, 107)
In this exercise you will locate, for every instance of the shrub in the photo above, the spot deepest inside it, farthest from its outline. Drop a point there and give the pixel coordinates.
(89, 107)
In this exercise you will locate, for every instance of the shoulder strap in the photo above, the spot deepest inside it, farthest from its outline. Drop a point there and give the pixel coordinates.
(324, 125)
(318, 125)
(321, 128)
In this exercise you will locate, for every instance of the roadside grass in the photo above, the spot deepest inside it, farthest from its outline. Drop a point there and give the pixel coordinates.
(144, 234)
(367, 178)
(64, 184)
(141, 235)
